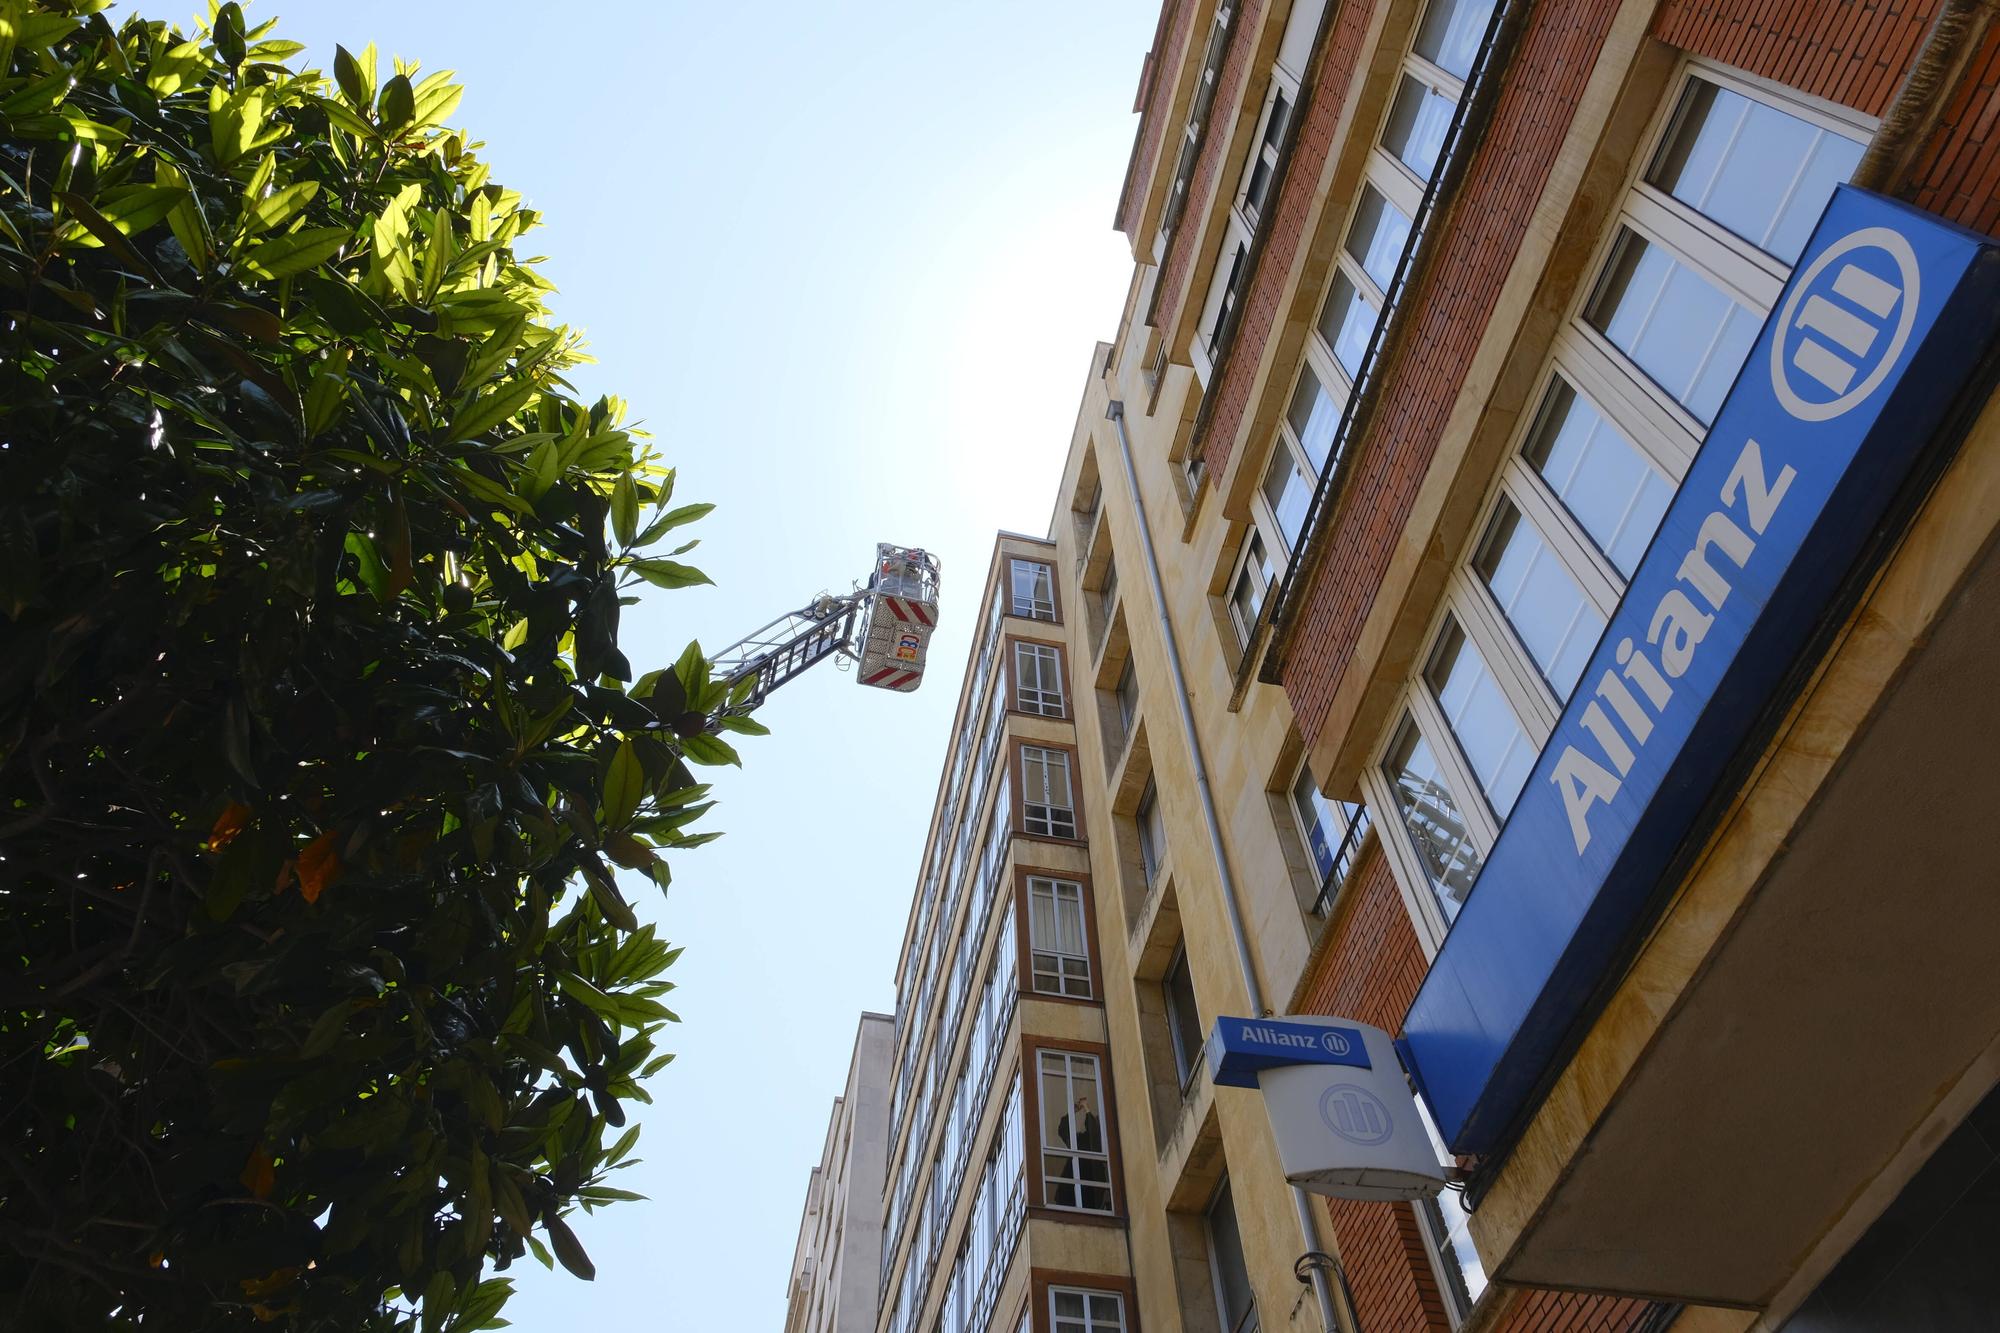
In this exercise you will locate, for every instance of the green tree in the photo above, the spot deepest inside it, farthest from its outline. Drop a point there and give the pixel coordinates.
(317, 749)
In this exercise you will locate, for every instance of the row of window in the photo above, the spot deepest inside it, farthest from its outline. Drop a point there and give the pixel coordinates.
(1699, 252)
(1399, 167)
(1030, 594)
(999, 1204)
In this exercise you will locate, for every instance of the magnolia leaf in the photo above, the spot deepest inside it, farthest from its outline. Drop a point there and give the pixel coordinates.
(669, 573)
(282, 256)
(568, 1249)
(624, 784)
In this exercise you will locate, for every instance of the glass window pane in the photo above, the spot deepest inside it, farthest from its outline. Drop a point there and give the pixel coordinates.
(1430, 814)
(1607, 485)
(1225, 1254)
(1183, 1019)
(1450, 35)
(1540, 598)
(1676, 326)
(1761, 172)
(1322, 827)
(1288, 491)
(1480, 717)
(1376, 237)
(1313, 418)
(1346, 322)
(1418, 120)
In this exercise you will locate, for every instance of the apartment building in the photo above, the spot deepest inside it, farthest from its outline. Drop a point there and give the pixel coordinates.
(835, 1277)
(1433, 308)
(1004, 1193)
(1477, 353)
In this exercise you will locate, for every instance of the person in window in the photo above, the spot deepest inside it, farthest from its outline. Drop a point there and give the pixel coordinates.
(1079, 1130)
(1088, 1138)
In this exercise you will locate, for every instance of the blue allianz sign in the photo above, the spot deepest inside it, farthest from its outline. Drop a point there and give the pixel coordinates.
(1242, 1048)
(1874, 339)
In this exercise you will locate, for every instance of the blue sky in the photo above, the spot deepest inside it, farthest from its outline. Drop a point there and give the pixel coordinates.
(847, 262)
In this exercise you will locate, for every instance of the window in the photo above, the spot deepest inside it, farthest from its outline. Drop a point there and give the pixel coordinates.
(1686, 333)
(1288, 491)
(1396, 174)
(1033, 590)
(1046, 808)
(1430, 813)
(1254, 576)
(1235, 1304)
(1721, 203)
(1323, 824)
(1152, 832)
(1226, 300)
(1076, 1167)
(1128, 698)
(1197, 121)
(1073, 1310)
(1763, 173)
(1449, 1231)
(1183, 1018)
(1476, 710)
(1433, 81)
(1038, 686)
(1541, 599)
(1264, 155)
(1057, 940)
(1601, 478)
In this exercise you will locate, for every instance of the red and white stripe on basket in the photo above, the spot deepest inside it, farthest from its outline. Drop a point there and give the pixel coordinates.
(891, 678)
(906, 610)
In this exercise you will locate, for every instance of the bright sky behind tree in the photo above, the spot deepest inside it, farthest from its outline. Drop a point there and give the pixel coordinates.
(847, 263)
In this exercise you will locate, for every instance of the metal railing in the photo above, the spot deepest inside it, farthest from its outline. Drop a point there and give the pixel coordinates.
(1344, 859)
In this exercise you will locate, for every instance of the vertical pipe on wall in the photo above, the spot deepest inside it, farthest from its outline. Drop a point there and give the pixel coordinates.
(1253, 989)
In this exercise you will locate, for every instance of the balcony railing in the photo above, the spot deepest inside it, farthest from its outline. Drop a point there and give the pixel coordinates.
(1344, 858)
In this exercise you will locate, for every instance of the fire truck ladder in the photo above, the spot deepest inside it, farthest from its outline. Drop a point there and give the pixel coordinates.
(786, 648)
(885, 626)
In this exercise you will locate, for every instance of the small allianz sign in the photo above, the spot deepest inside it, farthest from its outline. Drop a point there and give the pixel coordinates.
(1874, 341)
(1341, 1108)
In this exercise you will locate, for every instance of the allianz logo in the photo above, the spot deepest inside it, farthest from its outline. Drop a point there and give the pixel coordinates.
(1845, 324)
(1333, 1043)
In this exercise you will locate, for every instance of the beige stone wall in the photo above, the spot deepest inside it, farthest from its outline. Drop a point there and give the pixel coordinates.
(1177, 1147)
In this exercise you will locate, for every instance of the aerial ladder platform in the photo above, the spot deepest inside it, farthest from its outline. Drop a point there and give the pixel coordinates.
(884, 627)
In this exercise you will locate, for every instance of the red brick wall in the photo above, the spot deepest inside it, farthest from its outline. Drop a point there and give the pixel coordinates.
(1288, 230)
(1568, 1312)
(1847, 52)
(1957, 174)
(1159, 100)
(1372, 971)
(1536, 103)
(1178, 267)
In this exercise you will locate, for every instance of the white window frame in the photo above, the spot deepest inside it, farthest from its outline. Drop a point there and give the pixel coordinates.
(1067, 973)
(1039, 691)
(1265, 146)
(1037, 607)
(1089, 1323)
(1046, 818)
(1242, 568)
(1201, 109)
(1661, 430)
(1075, 1157)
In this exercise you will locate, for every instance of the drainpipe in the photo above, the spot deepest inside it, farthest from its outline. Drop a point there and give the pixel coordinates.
(1322, 1291)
